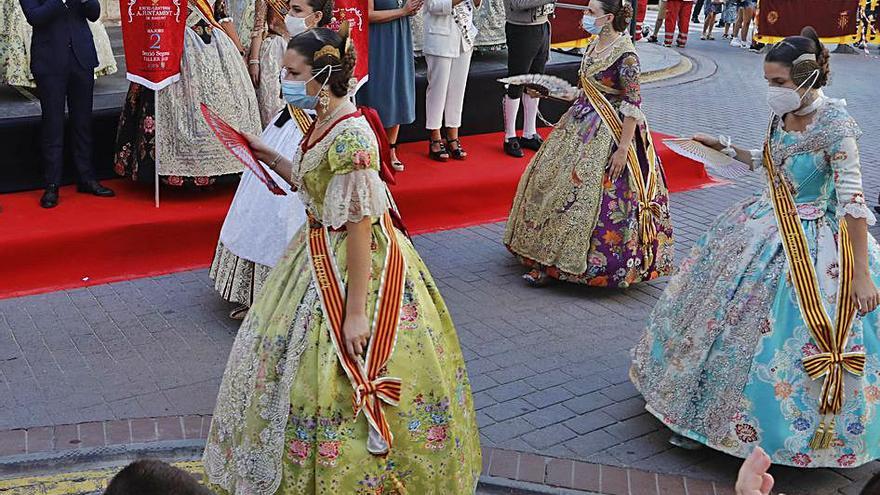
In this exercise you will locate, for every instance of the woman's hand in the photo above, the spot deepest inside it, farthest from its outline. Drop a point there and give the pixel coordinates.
(356, 334)
(865, 294)
(708, 140)
(261, 150)
(254, 71)
(412, 7)
(617, 163)
(753, 478)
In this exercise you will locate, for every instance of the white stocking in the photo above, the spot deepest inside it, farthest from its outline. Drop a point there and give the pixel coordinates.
(511, 108)
(530, 116)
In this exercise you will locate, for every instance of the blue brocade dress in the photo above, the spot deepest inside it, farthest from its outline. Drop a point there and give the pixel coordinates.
(721, 359)
(391, 87)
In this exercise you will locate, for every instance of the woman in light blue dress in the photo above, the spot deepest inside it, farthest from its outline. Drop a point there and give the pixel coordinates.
(391, 86)
(722, 361)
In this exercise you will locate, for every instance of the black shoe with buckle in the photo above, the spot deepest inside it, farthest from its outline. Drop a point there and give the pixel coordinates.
(531, 143)
(50, 196)
(94, 187)
(513, 148)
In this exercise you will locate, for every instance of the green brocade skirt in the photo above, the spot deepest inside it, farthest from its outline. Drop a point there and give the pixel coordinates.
(284, 417)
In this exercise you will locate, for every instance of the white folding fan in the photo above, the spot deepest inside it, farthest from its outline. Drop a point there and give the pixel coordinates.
(716, 162)
(550, 87)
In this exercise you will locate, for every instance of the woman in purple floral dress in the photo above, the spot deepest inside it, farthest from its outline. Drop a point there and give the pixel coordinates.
(580, 214)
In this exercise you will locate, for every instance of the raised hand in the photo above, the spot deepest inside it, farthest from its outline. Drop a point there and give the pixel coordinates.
(753, 478)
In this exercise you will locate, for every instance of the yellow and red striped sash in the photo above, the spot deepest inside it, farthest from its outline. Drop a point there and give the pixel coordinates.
(831, 339)
(370, 389)
(646, 192)
(303, 120)
(207, 11)
(279, 6)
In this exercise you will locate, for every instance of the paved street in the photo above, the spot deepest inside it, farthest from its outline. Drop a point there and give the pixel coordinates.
(548, 366)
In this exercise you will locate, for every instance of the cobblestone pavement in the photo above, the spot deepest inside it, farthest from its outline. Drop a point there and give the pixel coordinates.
(548, 367)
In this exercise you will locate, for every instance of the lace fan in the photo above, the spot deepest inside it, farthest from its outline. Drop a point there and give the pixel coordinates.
(716, 162)
(548, 86)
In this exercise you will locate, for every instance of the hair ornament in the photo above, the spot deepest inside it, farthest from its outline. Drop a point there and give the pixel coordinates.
(327, 50)
(806, 57)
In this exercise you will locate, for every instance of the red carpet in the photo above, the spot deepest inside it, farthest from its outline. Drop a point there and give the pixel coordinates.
(88, 240)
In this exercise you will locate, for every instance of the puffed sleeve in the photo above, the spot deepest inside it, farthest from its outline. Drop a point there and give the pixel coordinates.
(848, 181)
(355, 190)
(630, 72)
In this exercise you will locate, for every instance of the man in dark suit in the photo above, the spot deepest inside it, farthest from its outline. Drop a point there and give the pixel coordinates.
(63, 60)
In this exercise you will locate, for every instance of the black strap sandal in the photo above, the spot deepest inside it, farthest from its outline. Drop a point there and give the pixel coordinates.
(395, 163)
(458, 152)
(442, 154)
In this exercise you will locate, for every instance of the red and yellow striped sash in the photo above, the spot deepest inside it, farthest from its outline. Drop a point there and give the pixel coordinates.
(207, 11)
(303, 120)
(831, 339)
(646, 191)
(370, 389)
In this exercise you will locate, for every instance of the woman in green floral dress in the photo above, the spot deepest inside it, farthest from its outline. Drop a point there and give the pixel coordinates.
(285, 421)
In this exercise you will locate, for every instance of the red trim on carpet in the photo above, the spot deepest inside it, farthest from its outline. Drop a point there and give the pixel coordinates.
(88, 240)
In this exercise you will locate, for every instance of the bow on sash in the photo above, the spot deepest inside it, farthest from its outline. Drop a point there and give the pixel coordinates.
(370, 389)
(831, 361)
(649, 209)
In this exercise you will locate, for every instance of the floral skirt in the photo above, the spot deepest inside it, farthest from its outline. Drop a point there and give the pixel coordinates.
(237, 279)
(565, 198)
(721, 359)
(284, 420)
(135, 153)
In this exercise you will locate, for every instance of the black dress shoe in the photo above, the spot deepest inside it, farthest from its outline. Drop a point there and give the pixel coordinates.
(531, 143)
(50, 197)
(95, 187)
(512, 148)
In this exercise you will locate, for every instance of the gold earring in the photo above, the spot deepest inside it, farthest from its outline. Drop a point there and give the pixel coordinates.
(324, 98)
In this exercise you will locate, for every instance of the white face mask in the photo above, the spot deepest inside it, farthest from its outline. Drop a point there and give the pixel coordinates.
(786, 100)
(295, 25)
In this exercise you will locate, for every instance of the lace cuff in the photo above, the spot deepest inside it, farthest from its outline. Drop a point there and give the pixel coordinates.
(627, 109)
(857, 208)
(353, 196)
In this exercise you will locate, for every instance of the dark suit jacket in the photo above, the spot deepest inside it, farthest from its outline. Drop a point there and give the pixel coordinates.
(57, 29)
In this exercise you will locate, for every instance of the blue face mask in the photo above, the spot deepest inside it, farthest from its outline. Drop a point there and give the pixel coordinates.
(588, 22)
(295, 93)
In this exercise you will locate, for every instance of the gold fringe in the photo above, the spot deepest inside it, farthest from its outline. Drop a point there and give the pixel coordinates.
(824, 436)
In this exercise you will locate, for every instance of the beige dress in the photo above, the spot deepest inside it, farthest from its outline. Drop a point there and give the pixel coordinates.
(213, 73)
(269, 25)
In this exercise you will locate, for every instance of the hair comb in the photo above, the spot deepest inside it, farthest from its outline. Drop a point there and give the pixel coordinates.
(327, 50)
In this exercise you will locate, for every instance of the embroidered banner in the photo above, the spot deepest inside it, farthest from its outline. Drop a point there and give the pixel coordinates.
(355, 12)
(836, 21)
(152, 35)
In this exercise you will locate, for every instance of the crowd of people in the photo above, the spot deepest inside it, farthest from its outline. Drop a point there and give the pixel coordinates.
(736, 17)
(764, 338)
